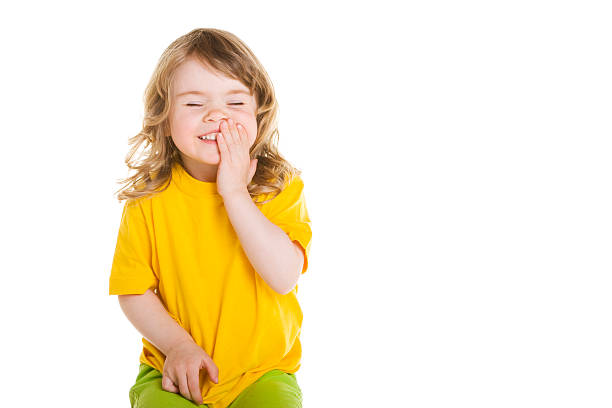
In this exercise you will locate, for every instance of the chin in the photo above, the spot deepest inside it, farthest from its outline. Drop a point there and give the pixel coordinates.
(209, 160)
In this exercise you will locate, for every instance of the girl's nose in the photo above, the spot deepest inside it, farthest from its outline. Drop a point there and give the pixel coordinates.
(215, 115)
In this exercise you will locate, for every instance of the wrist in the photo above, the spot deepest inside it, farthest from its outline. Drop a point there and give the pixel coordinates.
(237, 194)
(179, 343)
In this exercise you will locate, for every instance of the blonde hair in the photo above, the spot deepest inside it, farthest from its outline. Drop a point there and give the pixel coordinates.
(226, 53)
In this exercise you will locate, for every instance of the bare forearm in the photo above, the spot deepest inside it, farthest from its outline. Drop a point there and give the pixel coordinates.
(273, 255)
(150, 318)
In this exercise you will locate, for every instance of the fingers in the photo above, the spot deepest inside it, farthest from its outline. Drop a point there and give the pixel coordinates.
(193, 383)
(222, 143)
(168, 385)
(239, 134)
(234, 135)
(228, 135)
(189, 381)
(213, 371)
(243, 135)
(182, 383)
(231, 127)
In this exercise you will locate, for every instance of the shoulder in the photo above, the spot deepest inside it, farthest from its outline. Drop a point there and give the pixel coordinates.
(140, 206)
(292, 194)
(293, 183)
(293, 186)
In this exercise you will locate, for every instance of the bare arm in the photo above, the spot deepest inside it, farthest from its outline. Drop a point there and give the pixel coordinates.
(184, 358)
(274, 256)
(150, 318)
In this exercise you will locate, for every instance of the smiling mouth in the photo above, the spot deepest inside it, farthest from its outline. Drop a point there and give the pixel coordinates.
(210, 136)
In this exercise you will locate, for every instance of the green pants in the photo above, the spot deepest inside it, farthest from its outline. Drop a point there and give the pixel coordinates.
(274, 389)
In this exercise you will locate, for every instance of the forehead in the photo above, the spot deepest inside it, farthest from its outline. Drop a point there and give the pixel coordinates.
(194, 77)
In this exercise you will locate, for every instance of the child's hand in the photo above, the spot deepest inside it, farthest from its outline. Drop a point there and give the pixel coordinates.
(236, 170)
(182, 370)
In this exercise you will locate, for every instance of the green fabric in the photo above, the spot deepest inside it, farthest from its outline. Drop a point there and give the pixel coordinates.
(274, 389)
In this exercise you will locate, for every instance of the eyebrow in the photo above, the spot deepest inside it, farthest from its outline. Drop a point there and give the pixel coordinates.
(230, 92)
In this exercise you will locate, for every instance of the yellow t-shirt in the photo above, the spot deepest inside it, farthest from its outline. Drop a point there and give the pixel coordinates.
(180, 242)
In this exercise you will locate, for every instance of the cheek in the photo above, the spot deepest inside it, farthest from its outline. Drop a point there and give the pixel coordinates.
(251, 125)
(253, 132)
(185, 121)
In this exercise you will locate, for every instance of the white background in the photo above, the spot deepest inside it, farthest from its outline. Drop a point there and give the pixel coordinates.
(456, 157)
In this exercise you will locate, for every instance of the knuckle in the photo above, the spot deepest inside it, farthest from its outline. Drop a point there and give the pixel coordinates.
(167, 384)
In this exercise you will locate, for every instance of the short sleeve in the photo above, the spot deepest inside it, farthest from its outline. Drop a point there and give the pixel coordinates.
(131, 271)
(288, 211)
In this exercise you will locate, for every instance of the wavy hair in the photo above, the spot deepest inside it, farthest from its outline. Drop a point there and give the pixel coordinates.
(226, 53)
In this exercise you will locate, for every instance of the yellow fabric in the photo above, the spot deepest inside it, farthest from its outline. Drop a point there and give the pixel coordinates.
(180, 242)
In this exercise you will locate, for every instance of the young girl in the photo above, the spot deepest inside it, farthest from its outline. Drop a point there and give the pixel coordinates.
(214, 235)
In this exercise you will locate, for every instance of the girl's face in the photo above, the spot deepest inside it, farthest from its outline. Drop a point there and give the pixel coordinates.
(201, 99)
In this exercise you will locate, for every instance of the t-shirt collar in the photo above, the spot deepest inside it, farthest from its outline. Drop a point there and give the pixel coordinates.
(190, 185)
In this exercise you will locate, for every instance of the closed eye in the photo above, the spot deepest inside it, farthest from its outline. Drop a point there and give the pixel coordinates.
(196, 104)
